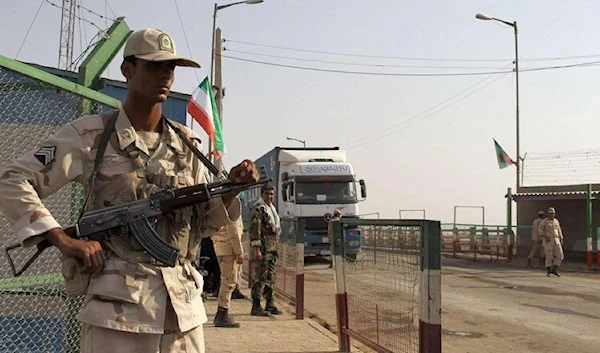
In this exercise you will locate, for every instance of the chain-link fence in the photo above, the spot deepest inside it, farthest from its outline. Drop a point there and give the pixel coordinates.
(35, 313)
(289, 268)
(290, 263)
(380, 295)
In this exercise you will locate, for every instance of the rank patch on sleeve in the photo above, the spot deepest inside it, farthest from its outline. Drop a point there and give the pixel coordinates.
(45, 155)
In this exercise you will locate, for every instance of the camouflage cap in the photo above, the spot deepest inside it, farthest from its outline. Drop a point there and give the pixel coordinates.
(154, 45)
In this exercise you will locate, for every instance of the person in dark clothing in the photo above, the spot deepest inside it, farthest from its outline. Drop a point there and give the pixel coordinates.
(212, 281)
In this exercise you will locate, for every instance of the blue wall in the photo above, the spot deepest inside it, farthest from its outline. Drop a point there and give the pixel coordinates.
(29, 102)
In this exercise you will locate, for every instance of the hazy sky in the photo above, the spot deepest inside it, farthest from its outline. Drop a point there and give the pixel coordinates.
(432, 162)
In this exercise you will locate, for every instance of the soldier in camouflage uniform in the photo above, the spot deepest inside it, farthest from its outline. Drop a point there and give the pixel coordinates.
(230, 255)
(550, 229)
(133, 302)
(264, 230)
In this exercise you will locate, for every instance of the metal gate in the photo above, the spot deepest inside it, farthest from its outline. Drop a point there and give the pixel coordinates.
(389, 298)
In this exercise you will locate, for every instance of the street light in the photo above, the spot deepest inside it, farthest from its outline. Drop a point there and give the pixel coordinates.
(514, 26)
(298, 140)
(217, 8)
(216, 77)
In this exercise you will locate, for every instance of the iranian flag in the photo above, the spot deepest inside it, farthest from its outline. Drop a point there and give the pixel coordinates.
(203, 109)
(503, 159)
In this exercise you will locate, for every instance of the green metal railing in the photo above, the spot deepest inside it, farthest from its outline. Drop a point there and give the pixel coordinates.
(482, 240)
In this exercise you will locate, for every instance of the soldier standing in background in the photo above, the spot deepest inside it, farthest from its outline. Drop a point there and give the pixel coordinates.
(230, 254)
(265, 230)
(537, 241)
(550, 229)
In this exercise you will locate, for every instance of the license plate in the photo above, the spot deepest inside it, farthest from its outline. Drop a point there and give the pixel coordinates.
(325, 240)
(325, 252)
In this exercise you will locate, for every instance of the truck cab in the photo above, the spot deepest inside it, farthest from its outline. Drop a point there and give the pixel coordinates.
(311, 183)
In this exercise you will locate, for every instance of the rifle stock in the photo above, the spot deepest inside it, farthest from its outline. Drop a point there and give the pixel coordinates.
(136, 214)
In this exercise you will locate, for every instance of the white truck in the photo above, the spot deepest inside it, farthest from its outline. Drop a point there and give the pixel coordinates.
(311, 183)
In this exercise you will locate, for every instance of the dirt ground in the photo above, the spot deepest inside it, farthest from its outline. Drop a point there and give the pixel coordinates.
(493, 307)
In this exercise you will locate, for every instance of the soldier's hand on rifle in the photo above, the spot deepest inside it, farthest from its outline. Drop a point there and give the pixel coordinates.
(89, 251)
(244, 173)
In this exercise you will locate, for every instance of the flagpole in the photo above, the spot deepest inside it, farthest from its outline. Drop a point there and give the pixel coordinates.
(219, 84)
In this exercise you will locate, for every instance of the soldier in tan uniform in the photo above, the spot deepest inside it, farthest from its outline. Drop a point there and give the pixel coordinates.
(230, 254)
(133, 302)
(264, 229)
(537, 249)
(553, 239)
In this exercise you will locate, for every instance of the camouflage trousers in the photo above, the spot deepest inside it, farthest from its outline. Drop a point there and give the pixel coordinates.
(554, 253)
(229, 275)
(263, 277)
(537, 250)
(95, 339)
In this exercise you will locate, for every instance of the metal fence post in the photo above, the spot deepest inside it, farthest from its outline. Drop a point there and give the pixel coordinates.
(509, 246)
(300, 269)
(341, 297)
(430, 314)
(598, 247)
(588, 225)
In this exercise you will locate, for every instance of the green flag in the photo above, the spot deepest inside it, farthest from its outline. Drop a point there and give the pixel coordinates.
(503, 159)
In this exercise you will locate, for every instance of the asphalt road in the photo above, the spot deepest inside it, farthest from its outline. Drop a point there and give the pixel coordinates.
(492, 307)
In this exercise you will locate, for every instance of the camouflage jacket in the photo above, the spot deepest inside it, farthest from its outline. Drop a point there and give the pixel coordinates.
(551, 231)
(262, 229)
(228, 240)
(131, 292)
(535, 230)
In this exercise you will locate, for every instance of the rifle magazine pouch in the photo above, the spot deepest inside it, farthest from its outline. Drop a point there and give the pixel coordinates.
(76, 283)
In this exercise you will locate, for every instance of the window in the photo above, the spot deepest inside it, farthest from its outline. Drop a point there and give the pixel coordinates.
(325, 192)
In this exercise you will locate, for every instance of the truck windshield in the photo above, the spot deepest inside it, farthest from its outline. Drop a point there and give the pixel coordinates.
(325, 192)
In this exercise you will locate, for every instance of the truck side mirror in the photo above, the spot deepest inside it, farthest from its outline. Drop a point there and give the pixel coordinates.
(284, 194)
(363, 189)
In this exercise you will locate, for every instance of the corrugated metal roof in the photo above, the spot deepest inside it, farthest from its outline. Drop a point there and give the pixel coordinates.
(554, 195)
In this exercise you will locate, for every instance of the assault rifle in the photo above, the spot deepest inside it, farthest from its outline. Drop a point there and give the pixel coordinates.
(137, 217)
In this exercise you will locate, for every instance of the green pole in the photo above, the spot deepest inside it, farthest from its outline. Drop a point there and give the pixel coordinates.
(509, 232)
(588, 222)
(598, 248)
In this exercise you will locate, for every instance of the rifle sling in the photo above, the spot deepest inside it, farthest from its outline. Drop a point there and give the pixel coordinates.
(108, 130)
(207, 163)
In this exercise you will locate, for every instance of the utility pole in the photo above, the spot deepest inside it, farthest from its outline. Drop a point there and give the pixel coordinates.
(218, 83)
(519, 160)
(67, 30)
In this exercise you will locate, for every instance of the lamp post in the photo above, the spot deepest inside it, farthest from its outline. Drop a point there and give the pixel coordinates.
(303, 142)
(514, 26)
(216, 75)
(217, 8)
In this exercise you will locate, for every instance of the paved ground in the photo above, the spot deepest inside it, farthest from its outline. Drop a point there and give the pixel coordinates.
(277, 334)
(494, 307)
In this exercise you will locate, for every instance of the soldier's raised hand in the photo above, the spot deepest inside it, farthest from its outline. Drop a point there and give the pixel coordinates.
(244, 173)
